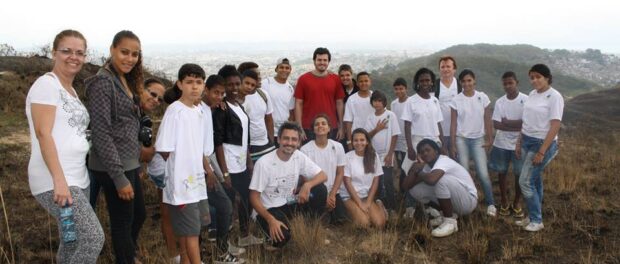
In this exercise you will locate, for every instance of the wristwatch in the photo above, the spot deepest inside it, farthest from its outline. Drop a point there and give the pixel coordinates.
(226, 174)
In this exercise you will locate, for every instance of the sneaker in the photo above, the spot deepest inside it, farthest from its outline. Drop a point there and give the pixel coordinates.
(492, 211)
(517, 212)
(409, 212)
(228, 258)
(523, 222)
(249, 240)
(504, 211)
(432, 212)
(212, 234)
(235, 251)
(448, 227)
(269, 247)
(437, 221)
(534, 227)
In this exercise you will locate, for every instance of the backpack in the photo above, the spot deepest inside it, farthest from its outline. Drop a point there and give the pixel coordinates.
(459, 89)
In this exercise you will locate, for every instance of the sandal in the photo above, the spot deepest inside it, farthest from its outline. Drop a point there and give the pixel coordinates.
(517, 212)
(504, 211)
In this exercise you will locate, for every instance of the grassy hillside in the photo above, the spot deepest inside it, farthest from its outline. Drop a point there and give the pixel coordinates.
(489, 62)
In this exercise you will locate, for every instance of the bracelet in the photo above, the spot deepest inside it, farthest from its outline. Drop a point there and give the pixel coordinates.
(542, 154)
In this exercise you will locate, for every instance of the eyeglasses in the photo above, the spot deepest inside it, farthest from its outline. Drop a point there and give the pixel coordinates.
(155, 95)
(69, 52)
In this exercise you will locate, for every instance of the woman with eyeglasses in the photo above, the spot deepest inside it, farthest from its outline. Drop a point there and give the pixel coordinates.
(114, 160)
(57, 172)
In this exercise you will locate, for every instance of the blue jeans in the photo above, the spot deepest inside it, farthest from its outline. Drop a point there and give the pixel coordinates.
(473, 146)
(531, 181)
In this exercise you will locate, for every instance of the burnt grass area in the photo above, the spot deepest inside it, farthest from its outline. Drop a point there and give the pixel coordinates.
(581, 215)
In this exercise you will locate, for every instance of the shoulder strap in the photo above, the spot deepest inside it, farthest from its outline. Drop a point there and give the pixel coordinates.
(262, 94)
(437, 87)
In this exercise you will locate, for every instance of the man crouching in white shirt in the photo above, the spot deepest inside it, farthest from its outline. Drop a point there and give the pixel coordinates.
(274, 191)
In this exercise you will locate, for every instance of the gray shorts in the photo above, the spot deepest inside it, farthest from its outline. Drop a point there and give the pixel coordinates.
(186, 220)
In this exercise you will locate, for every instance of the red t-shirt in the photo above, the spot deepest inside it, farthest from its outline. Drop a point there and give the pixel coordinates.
(319, 95)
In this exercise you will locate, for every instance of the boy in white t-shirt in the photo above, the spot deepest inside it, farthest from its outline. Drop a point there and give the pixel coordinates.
(281, 94)
(257, 105)
(183, 143)
(382, 126)
(507, 120)
(397, 107)
(358, 106)
(275, 190)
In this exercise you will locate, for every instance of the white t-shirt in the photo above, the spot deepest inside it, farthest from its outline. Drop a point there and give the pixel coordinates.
(470, 110)
(328, 158)
(357, 109)
(382, 140)
(282, 99)
(453, 169)
(446, 94)
(511, 110)
(539, 110)
(236, 155)
(208, 127)
(256, 108)
(424, 114)
(360, 180)
(68, 132)
(182, 134)
(397, 108)
(276, 179)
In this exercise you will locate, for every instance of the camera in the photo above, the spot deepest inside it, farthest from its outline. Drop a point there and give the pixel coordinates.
(146, 131)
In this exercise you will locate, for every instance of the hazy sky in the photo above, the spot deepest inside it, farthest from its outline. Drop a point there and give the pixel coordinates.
(384, 24)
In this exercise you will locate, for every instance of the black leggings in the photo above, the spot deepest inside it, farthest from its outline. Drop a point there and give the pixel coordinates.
(126, 217)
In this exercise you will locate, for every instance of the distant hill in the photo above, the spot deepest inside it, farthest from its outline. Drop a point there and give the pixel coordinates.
(574, 73)
(598, 111)
(17, 74)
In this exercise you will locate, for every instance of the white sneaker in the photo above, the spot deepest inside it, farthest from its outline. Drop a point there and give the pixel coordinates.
(534, 227)
(409, 212)
(235, 251)
(523, 222)
(437, 221)
(448, 227)
(492, 211)
(432, 212)
(228, 259)
(249, 240)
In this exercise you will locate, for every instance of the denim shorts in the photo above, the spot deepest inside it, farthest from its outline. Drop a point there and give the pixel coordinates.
(500, 159)
(159, 180)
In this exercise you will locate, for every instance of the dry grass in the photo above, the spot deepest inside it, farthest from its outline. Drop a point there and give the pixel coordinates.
(581, 212)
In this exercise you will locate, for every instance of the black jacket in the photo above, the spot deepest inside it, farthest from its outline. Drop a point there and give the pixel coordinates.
(227, 127)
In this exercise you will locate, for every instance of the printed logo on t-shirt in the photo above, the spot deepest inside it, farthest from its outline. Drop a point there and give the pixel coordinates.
(284, 187)
(79, 115)
(192, 182)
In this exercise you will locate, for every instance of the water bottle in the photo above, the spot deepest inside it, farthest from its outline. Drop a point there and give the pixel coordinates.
(67, 224)
(293, 198)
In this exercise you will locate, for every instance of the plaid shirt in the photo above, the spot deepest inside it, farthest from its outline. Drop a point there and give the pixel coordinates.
(115, 125)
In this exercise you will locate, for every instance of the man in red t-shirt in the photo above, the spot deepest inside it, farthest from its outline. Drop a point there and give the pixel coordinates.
(319, 91)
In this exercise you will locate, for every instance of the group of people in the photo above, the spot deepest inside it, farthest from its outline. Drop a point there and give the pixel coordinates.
(327, 148)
